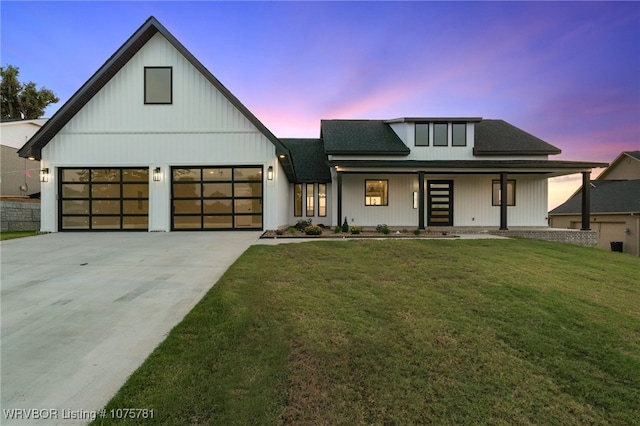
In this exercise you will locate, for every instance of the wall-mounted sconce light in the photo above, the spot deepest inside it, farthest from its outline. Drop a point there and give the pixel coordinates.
(157, 174)
(270, 173)
(415, 199)
(627, 231)
(44, 175)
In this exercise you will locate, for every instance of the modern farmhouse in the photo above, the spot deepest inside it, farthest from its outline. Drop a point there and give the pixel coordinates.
(153, 141)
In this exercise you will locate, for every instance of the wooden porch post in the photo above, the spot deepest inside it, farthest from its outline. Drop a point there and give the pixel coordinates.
(586, 201)
(503, 201)
(420, 200)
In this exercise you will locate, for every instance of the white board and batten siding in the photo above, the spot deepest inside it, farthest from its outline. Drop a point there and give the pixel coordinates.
(200, 128)
(472, 204)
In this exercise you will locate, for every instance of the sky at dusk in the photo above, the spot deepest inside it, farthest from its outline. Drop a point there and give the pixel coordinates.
(567, 72)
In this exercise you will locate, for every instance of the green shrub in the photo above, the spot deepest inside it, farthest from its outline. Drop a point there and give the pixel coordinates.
(313, 230)
(405, 230)
(337, 229)
(383, 229)
(292, 230)
(345, 225)
(355, 230)
(303, 224)
(416, 232)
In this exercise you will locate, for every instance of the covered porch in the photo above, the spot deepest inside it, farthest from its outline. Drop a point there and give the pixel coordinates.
(452, 193)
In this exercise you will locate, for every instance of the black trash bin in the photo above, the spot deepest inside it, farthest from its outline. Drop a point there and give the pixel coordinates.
(616, 246)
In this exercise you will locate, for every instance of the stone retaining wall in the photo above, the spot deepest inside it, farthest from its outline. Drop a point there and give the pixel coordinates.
(20, 215)
(570, 236)
(560, 235)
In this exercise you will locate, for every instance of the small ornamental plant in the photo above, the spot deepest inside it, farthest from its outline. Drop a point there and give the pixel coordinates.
(279, 231)
(416, 232)
(292, 230)
(313, 230)
(337, 229)
(383, 229)
(345, 225)
(303, 224)
(355, 230)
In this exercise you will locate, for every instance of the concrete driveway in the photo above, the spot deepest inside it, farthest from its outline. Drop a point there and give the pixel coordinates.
(81, 311)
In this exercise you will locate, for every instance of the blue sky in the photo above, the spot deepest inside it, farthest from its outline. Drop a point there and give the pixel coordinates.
(567, 72)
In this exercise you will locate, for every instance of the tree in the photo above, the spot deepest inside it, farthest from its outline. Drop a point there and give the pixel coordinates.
(22, 101)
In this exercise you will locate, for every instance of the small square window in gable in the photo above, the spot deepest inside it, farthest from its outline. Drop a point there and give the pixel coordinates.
(158, 85)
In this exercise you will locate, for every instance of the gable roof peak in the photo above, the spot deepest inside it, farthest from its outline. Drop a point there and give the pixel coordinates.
(33, 148)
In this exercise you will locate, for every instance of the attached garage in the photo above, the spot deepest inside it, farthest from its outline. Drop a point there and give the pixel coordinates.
(216, 198)
(103, 199)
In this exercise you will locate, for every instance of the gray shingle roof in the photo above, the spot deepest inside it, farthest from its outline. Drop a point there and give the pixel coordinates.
(634, 154)
(361, 137)
(497, 137)
(607, 196)
(309, 160)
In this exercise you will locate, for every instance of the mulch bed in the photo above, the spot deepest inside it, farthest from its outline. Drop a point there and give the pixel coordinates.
(328, 233)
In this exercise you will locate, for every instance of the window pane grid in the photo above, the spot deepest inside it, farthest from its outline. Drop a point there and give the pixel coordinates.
(211, 197)
(104, 201)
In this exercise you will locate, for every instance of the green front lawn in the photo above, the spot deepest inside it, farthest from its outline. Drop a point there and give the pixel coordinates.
(10, 235)
(404, 332)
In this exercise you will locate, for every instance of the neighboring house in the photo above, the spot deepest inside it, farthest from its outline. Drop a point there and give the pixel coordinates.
(18, 176)
(153, 141)
(614, 204)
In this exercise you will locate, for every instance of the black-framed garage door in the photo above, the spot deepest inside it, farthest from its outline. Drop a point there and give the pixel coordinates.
(216, 198)
(103, 199)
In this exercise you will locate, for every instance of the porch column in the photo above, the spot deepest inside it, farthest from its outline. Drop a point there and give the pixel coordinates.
(420, 200)
(503, 202)
(586, 201)
(339, 179)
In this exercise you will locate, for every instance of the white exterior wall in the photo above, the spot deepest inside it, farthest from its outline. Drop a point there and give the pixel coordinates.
(327, 220)
(398, 212)
(472, 196)
(200, 128)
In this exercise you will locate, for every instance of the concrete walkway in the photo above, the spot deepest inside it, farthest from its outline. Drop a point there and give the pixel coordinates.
(81, 311)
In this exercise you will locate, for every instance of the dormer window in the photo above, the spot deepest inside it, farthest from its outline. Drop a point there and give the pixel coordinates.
(440, 134)
(458, 134)
(422, 134)
(158, 85)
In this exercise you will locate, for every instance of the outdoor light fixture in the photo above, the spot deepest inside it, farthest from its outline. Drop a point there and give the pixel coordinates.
(157, 174)
(270, 173)
(44, 175)
(415, 199)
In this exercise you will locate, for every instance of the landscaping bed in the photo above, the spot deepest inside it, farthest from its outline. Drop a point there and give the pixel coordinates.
(305, 229)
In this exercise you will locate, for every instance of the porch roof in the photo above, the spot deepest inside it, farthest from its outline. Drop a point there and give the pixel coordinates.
(550, 168)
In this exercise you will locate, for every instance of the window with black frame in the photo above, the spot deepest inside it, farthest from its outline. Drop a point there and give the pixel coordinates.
(376, 192)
